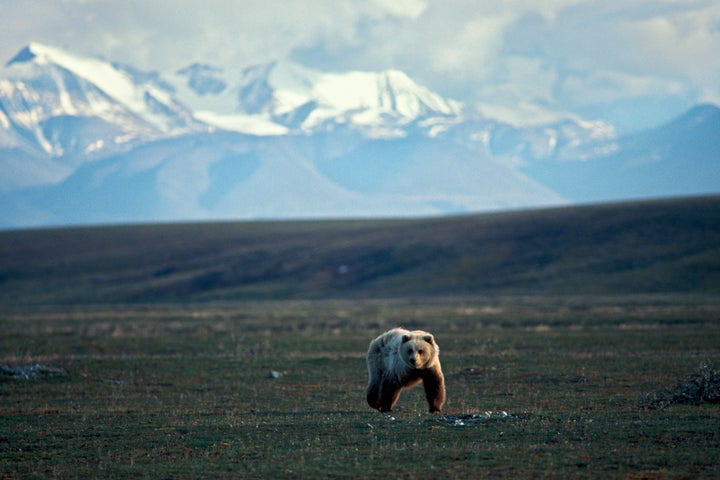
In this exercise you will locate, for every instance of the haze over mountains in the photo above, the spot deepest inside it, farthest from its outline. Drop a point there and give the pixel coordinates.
(84, 140)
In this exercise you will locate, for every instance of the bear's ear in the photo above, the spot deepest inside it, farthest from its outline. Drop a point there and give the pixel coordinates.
(405, 338)
(429, 339)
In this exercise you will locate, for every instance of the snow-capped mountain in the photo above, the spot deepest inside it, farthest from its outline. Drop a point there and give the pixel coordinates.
(85, 140)
(283, 97)
(64, 110)
(681, 157)
(51, 83)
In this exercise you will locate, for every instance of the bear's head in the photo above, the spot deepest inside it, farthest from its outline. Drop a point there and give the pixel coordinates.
(418, 350)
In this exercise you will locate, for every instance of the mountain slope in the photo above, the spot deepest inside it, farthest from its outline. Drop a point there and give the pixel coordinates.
(84, 140)
(228, 175)
(680, 157)
(68, 110)
(119, 94)
(272, 141)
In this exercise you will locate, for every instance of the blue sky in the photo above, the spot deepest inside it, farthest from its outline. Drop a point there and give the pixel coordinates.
(634, 63)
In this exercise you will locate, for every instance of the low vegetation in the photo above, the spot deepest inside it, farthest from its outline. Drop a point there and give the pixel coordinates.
(237, 349)
(538, 387)
(701, 386)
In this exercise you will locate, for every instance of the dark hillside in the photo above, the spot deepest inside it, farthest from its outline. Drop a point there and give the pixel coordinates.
(664, 246)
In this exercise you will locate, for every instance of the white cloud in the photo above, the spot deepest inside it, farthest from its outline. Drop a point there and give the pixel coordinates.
(610, 86)
(567, 54)
(403, 8)
(473, 49)
(685, 44)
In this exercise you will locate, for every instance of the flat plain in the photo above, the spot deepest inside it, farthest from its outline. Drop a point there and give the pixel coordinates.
(186, 392)
(144, 371)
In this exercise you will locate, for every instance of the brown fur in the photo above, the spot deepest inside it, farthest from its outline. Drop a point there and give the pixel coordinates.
(400, 359)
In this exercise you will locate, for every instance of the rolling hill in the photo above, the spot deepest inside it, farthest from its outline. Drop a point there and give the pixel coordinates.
(661, 246)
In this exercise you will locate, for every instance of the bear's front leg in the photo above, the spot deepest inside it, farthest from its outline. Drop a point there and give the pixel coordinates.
(434, 384)
(373, 396)
(389, 393)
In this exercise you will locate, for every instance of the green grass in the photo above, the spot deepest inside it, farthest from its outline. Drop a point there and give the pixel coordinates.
(570, 320)
(182, 391)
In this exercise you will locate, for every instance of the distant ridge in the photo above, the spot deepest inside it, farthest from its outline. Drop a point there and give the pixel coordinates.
(669, 246)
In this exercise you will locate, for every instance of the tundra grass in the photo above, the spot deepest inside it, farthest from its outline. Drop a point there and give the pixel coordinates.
(184, 391)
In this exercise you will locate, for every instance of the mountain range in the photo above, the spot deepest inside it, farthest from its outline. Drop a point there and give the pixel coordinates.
(84, 140)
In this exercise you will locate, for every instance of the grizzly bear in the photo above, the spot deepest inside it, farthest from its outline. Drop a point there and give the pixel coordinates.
(400, 359)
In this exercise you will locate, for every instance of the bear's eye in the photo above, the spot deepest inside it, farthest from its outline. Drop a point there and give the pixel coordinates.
(420, 352)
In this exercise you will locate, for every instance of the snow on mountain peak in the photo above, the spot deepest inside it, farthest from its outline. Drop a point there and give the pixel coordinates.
(148, 100)
(281, 97)
(301, 98)
(37, 53)
(78, 129)
(275, 98)
(102, 74)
